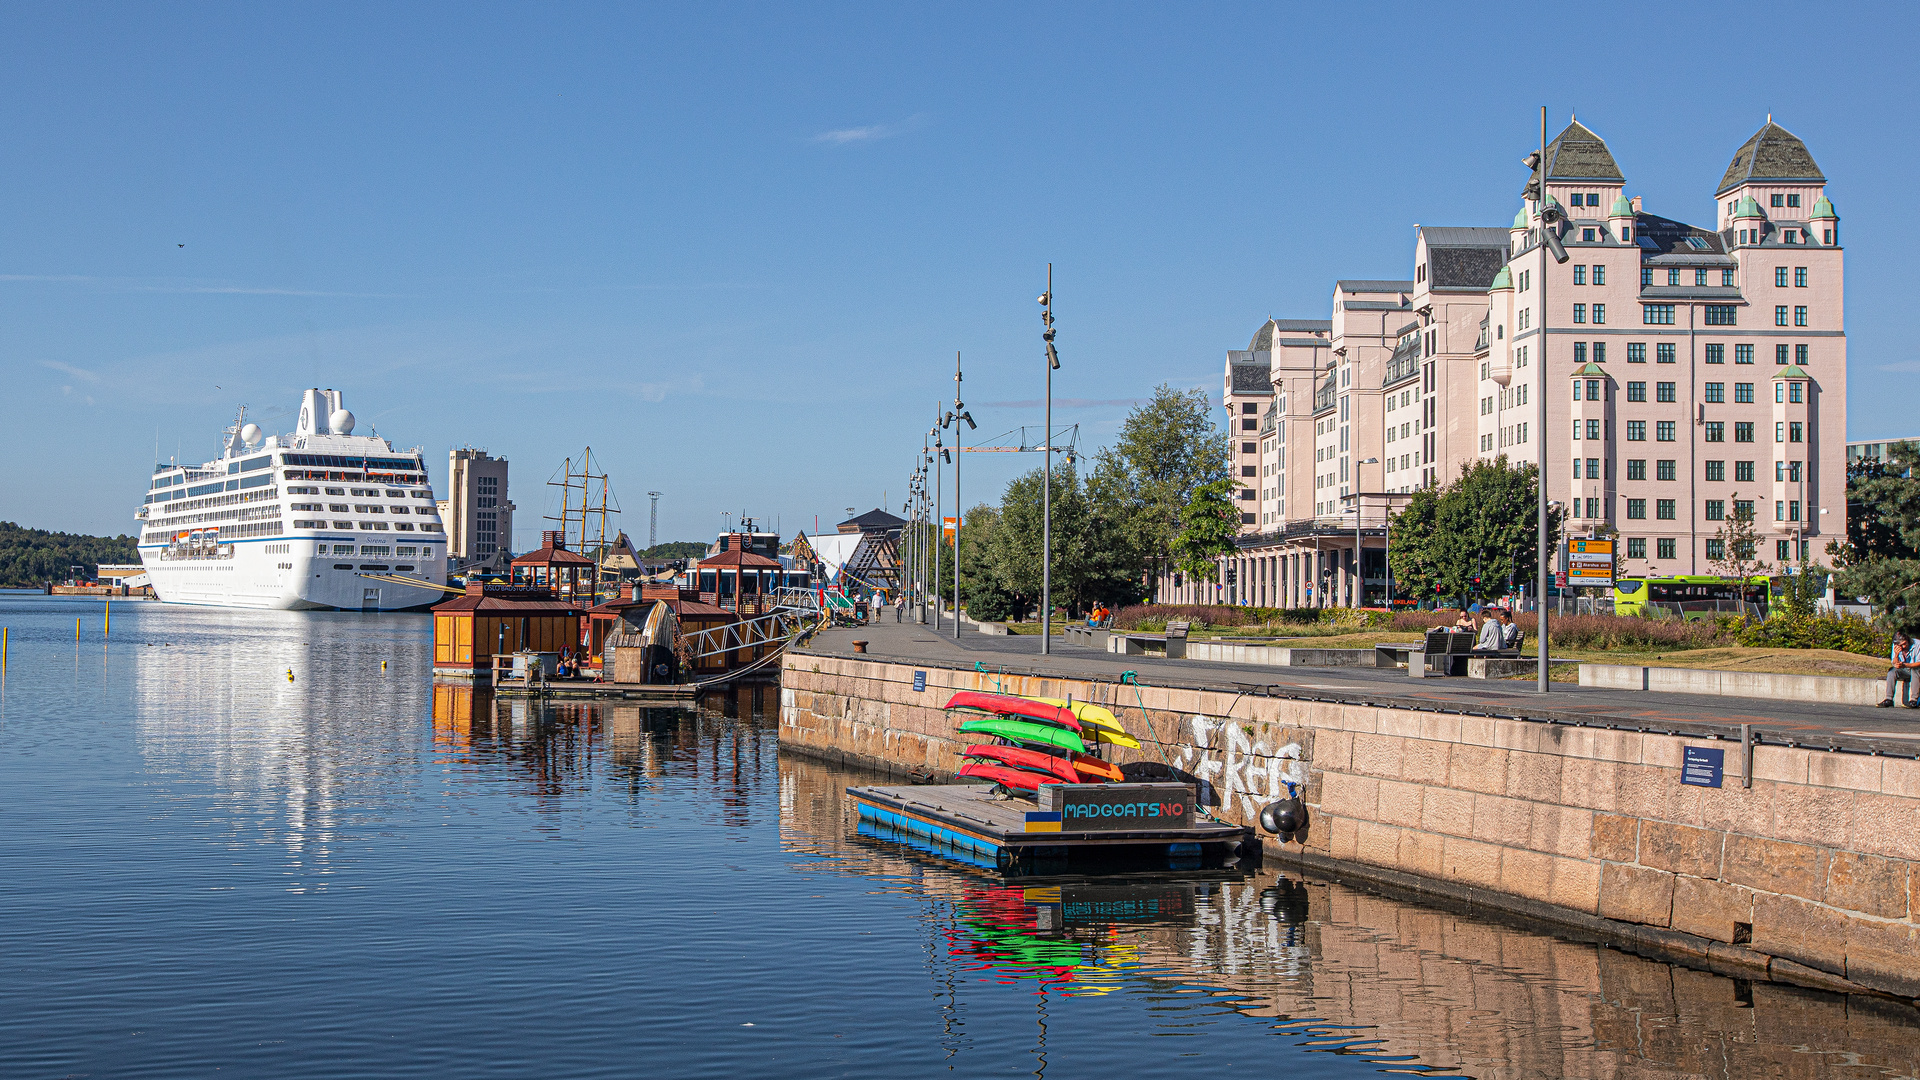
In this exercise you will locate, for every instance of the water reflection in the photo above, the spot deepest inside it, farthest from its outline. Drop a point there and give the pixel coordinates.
(1337, 970)
(211, 867)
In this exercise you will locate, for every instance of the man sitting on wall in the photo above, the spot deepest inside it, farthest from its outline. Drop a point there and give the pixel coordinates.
(1905, 656)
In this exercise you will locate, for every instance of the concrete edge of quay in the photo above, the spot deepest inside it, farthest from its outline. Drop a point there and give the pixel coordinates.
(1810, 877)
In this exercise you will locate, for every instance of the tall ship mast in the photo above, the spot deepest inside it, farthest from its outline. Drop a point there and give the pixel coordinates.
(296, 521)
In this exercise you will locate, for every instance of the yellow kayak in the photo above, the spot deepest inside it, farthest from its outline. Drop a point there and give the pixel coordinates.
(1097, 722)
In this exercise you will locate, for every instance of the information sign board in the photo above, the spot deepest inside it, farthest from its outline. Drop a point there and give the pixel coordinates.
(1589, 563)
(1702, 766)
(1108, 807)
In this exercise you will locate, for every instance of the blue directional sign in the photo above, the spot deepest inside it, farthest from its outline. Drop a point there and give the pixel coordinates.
(919, 681)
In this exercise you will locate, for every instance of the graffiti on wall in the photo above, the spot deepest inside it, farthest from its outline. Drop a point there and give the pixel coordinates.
(1243, 773)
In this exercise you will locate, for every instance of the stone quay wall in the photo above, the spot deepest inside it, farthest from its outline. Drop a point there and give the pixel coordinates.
(1811, 876)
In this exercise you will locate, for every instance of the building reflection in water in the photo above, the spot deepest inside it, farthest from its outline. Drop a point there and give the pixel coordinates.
(1339, 970)
(563, 750)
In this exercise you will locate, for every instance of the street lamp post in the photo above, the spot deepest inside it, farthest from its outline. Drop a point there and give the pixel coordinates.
(939, 512)
(1046, 476)
(958, 414)
(1546, 216)
(1360, 512)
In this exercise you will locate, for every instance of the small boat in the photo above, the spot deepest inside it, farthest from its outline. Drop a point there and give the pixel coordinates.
(1009, 705)
(1025, 731)
(1015, 779)
(1095, 770)
(1096, 721)
(1059, 768)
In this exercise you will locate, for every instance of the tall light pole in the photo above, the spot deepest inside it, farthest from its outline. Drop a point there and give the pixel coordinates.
(653, 519)
(1359, 512)
(939, 512)
(958, 414)
(1046, 476)
(1540, 414)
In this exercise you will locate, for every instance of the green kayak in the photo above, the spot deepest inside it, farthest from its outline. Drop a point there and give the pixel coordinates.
(1023, 731)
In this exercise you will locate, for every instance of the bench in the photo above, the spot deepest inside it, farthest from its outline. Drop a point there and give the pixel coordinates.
(1445, 653)
(1172, 644)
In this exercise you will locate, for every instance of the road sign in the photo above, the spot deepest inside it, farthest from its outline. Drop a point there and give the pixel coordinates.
(1589, 562)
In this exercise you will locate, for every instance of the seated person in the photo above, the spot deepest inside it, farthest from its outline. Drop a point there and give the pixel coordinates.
(1492, 637)
(1509, 631)
(1464, 622)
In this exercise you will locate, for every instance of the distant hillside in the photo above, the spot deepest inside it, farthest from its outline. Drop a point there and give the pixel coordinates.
(31, 557)
(679, 549)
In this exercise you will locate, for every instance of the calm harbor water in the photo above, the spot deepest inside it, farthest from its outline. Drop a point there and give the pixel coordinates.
(210, 867)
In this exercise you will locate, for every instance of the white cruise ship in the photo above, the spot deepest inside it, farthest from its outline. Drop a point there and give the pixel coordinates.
(296, 521)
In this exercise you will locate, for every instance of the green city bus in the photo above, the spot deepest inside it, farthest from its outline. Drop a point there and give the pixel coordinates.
(1695, 596)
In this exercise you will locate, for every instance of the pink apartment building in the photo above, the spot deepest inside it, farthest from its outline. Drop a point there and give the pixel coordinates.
(1690, 373)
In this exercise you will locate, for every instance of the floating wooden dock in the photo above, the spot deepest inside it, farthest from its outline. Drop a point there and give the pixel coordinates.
(594, 689)
(971, 824)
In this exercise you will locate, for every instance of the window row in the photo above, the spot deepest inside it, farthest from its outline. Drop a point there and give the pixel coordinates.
(1701, 277)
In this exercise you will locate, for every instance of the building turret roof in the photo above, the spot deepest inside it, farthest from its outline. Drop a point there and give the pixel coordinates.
(1501, 280)
(1579, 154)
(1823, 209)
(1748, 206)
(1520, 218)
(1621, 207)
(1791, 371)
(1774, 153)
(1588, 369)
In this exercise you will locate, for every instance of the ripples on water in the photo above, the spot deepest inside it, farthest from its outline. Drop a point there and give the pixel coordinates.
(357, 873)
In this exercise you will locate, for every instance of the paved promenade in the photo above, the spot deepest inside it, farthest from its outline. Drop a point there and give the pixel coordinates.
(1893, 732)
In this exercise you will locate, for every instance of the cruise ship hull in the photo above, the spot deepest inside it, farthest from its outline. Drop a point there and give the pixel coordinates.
(256, 576)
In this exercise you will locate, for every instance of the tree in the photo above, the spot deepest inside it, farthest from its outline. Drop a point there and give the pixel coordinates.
(1477, 537)
(1167, 449)
(1738, 541)
(1486, 529)
(1881, 561)
(30, 557)
(1409, 548)
(1208, 526)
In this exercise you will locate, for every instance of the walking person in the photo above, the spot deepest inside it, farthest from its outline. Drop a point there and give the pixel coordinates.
(900, 608)
(1905, 656)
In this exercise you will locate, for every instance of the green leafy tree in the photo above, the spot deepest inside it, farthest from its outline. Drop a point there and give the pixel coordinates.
(1167, 449)
(1208, 526)
(30, 557)
(1879, 562)
(1410, 549)
(1475, 538)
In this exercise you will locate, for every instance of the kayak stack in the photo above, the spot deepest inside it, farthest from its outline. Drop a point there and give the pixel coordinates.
(1041, 740)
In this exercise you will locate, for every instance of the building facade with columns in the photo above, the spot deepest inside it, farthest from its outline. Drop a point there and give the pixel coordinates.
(1691, 373)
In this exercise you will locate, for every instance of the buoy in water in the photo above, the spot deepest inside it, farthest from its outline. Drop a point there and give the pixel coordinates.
(289, 674)
(383, 665)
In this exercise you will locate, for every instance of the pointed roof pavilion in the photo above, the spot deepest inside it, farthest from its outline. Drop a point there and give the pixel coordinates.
(1579, 154)
(1774, 153)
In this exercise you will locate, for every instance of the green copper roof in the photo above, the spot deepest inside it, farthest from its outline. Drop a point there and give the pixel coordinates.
(1501, 280)
(1621, 207)
(1520, 218)
(1588, 369)
(1748, 206)
(1823, 209)
(1791, 371)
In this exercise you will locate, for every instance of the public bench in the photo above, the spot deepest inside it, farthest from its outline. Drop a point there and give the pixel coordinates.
(1172, 644)
(1443, 653)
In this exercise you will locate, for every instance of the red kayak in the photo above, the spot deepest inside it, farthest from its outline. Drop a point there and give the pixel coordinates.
(1008, 705)
(1011, 778)
(1030, 760)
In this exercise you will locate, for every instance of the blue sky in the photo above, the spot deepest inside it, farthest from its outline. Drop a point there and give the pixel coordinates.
(735, 248)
